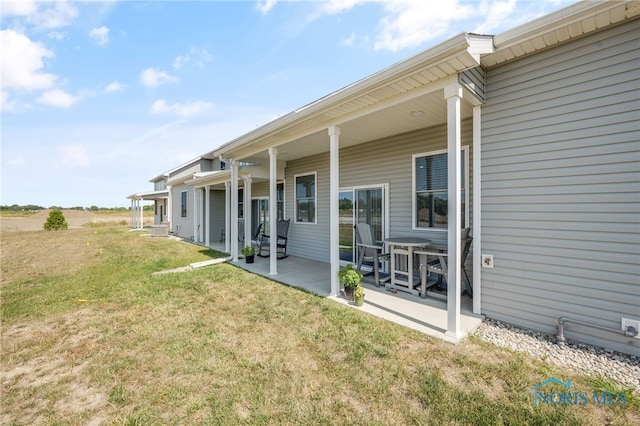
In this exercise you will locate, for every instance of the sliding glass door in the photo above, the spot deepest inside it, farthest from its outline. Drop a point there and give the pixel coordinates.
(360, 205)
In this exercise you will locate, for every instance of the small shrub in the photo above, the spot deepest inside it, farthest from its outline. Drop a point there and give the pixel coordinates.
(55, 221)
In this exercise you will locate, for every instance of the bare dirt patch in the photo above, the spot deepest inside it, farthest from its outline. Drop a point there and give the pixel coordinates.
(26, 253)
(41, 373)
(75, 219)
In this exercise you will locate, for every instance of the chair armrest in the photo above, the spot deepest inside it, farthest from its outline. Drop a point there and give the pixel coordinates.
(369, 246)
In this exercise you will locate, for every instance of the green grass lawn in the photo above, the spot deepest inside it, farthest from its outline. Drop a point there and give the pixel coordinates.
(103, 341)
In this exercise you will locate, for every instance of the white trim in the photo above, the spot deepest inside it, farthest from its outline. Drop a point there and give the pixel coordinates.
(295, 198)
(273, 215)
(464, 148)
(477, 210)
(184, 205)
(334, 216)
(453, 96)
(386, 206)
(207, 214)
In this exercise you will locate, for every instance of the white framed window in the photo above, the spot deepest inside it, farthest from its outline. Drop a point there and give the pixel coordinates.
(306, 198)
(280, 200)
(183, 203)
(430, 189)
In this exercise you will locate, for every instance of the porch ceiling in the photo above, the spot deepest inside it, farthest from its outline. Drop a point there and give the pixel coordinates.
(375, 107)
(311, 137)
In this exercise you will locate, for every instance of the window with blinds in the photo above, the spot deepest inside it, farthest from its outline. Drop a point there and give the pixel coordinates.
(430, 173)
(306, 198)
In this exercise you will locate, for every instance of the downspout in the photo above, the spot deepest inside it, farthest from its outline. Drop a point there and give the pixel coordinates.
(628, 332)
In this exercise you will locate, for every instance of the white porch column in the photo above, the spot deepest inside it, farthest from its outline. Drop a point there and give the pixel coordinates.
(227, 216)
(170, 208)
(207, 215)
(140, 206)
(133, 220)
(195, 214)
(233, 235)
(453, 95)
(334, 217)
(477, 209)
(273, 211)
(247, 212)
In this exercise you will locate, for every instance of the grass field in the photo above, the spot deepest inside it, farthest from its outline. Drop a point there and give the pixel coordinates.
(90, 336)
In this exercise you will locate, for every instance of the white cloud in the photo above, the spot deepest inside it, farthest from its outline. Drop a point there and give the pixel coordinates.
(100, 35)
(74, 156)
(18, 7)
(61, 14)
(180, 60)
(58, 98)
(154, 78)
(264, 6)
(182, 110)
(409, 23)
(115, 86)
(17, 161)
(22, 61)
(196, 55)
(338, 6)
(496, 13)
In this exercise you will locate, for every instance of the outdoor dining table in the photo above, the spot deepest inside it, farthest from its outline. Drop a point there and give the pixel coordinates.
(402, 273)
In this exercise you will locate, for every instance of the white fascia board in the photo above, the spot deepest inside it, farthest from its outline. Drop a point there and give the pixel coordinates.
(166, 175)
(559, 19)
(150, 195)
(480, 45)
(437, 54)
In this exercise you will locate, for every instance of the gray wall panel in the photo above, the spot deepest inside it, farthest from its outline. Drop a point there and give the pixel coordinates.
(560, 187)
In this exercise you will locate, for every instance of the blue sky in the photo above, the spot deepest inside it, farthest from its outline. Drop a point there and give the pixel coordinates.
(99, 97)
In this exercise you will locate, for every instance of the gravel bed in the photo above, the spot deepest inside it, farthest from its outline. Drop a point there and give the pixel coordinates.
(623, 368)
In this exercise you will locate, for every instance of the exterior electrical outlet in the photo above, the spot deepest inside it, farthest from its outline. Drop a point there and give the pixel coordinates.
(626, 323)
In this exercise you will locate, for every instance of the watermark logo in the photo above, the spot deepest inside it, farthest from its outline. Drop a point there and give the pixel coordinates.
(547, 393)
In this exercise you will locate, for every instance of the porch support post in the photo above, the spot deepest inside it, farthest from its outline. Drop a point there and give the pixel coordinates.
(273, 211)
(453, 95)
(334, 217)
(141, 213)
(207, 215)
(227, 216)
(132, 224)
(247, 212)
(195, 214)
(477, 210)
(170, 208)
(233, 235)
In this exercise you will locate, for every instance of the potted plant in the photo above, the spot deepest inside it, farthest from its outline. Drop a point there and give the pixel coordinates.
(358, 294)
(249, 253)
(349, 278)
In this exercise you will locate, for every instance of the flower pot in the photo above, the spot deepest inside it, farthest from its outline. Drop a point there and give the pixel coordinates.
(359, 301)
(348, 293)
(249, 259)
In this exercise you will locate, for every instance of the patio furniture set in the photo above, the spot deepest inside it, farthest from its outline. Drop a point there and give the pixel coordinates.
(415, 264)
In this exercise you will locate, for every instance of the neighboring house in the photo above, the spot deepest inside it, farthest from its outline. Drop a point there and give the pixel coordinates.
(531, 138)
(174, 204)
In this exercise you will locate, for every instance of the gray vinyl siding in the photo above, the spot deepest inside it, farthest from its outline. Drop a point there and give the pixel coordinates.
(182, 226)
(560, 187)
(385, 161)
(310, 240)
(217, 215)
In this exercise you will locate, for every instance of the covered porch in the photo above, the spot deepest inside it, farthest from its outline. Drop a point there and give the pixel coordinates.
(428, 316)
(373, 136)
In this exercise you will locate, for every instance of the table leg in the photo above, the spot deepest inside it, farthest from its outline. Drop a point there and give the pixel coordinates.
(410, 267)
(393, 263)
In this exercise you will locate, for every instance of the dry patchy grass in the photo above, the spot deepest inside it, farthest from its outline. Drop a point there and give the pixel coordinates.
(107, 342)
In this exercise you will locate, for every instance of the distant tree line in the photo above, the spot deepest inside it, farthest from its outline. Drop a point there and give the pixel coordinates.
(33, 207)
